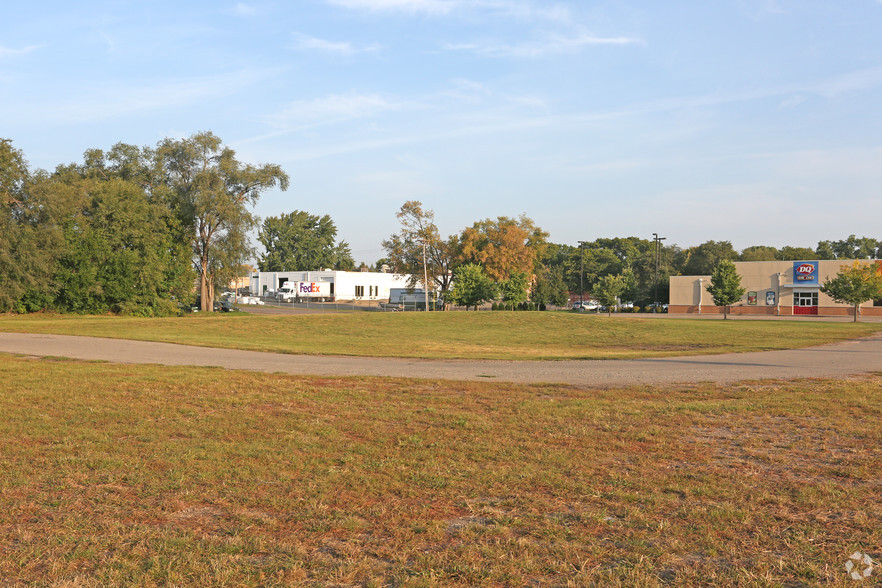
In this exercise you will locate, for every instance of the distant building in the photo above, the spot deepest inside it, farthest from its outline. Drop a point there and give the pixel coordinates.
(773, 288)
(340, 285)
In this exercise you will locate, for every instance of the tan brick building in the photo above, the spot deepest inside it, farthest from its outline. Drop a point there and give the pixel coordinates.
(776, 288)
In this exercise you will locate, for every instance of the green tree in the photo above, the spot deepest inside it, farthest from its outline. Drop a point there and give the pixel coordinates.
(514, 289)
(212, 191)
(504, 246)
(702, 260)
(823, 251)
(855, 248)
(550, 287)
(608, 289)
(629, 256)
(759, 253)
(725, 286)
(855, 284)
(29, 238)
(471, 286)
(301, 241)
(788, 253)
(418, 250)
(120, 252)
(588, 263)
(555, 255)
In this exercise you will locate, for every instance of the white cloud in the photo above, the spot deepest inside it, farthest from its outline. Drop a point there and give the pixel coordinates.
(552, 45)
(331, 109)
(395, 185)
(242, 9)
(793, 95)
(848, 82)
(111, 101)
(4, 52)
(413, 6)
(472, 92)
(521, 9)
(341, 47)
(528, 11)
(758, 9)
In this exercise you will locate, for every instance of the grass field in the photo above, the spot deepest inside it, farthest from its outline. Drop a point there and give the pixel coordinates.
(474, 335)
(139, 475)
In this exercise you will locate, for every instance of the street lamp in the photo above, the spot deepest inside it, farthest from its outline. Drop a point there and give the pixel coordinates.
(581, 272)
(658, 241)
(425, 277)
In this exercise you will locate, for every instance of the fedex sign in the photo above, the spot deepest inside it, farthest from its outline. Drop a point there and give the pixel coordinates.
(805, 272)
(308, 287)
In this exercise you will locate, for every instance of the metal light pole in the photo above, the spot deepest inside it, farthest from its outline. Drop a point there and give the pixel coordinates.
(425, 277)
(658, 241)
(581, 272)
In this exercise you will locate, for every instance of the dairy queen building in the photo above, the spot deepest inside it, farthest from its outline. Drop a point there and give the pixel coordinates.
(775, 288)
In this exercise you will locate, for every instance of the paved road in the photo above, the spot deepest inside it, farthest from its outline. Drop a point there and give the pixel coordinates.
(838, 360)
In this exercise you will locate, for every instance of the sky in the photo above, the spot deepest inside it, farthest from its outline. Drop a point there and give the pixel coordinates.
(751, 121)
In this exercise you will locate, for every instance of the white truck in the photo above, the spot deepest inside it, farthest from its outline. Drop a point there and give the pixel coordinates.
(312, 291)
(412, 299)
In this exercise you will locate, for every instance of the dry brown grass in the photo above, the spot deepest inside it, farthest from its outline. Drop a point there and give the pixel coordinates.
(130, 475)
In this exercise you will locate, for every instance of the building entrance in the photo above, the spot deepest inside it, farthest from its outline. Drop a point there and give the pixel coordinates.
(805, 303)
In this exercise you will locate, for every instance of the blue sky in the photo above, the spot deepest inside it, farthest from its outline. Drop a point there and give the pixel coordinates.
(754, 121)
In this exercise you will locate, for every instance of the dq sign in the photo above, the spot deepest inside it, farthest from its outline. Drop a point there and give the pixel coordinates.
(805, 272)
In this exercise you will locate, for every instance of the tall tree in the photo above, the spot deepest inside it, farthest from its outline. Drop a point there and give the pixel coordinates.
(212, 191)
(608, 289)
(823, 251)
(120, 253)
(855, 284)
(633, 256)
(514, 290)
(504, 246)
(471, 286)
(855, 248)
(550, 287)
(29, 238)
(725, 286)
(301, 241)
(702, 259)
(759, 253)
(418, 250)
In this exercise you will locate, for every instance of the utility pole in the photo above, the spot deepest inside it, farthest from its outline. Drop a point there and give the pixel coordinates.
(658, 241)
(581, 271)
(425, 277)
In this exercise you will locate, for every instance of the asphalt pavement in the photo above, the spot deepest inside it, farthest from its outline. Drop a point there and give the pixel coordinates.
(838, 360)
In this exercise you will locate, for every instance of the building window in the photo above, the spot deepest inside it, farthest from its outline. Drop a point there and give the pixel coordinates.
(359, 291)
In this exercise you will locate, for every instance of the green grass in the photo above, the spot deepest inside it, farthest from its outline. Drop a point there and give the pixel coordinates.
(118, 475)
(471, 335)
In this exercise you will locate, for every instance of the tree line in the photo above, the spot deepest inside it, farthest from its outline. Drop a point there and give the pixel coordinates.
(132, 229)
(129, 230)
(511, 259)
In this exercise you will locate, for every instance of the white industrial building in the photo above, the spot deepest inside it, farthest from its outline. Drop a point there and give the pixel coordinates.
(341, 285)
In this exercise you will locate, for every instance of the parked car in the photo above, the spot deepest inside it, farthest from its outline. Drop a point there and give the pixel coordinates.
(219, 305)
(585, 305)
(223, 306)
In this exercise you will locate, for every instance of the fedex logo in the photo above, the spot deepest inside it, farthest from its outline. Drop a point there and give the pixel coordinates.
(311, 287)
